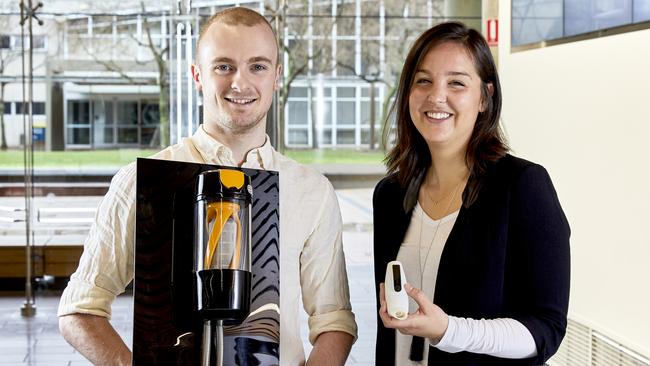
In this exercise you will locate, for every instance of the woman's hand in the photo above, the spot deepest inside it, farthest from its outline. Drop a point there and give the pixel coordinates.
(429, 321)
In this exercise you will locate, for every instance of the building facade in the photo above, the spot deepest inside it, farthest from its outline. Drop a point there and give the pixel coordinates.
(98, 83)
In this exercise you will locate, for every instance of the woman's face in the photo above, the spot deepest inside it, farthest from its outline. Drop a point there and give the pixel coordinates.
(445, 98)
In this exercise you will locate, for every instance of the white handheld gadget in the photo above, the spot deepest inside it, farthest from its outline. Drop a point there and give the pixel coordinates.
(397, 301)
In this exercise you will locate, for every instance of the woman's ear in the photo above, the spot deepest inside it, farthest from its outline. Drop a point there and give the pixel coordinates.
(490, 93)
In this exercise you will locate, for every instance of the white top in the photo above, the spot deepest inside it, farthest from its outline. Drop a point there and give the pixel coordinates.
(311, 252)
(423, 244)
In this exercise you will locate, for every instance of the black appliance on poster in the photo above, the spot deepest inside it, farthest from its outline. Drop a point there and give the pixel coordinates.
(222, 255)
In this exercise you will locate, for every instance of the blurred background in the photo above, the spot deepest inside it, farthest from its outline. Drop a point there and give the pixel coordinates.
(88, 86)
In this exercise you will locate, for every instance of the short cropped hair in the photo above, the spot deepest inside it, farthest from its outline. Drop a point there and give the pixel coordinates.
(233, 16)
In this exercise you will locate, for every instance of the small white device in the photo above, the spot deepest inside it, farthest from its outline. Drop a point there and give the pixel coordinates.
(397, 301)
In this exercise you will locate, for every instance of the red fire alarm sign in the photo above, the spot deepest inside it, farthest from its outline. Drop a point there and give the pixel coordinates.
(492, 32)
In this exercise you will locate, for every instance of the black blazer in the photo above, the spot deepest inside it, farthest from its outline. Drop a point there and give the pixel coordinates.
(506, 256)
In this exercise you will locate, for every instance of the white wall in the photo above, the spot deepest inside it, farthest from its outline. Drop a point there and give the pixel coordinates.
(582, 110)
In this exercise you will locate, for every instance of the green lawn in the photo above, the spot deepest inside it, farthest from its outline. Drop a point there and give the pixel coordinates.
(112, 158)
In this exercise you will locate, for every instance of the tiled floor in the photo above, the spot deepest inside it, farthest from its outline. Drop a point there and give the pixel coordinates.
(36, 341)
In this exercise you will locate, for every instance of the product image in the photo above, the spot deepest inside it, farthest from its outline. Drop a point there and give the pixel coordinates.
(222, 254)
(397, 301)
(206, 287)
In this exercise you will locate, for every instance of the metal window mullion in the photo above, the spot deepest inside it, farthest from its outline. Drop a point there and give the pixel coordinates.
(382, 39)
(310, 38)
(310, 120)
(333, 116)
(188, 77)
(114, 36)
(357, 42)
(89, 31)
(179, 99)
(357, 116)
(333, 36)
(139, 36)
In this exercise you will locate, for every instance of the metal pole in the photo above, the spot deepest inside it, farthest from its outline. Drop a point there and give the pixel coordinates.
(219, 345)
(206, 344)
(27, 13)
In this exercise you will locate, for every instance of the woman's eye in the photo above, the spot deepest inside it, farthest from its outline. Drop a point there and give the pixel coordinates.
(457, 83)
(422, 81)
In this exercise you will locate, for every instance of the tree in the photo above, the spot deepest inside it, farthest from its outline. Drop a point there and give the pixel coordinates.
(300, 61)
(7, 56)
(159, 53)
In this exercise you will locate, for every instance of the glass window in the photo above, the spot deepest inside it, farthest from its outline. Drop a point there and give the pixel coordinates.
(38, 108)
(584, 16)
(365, 113)
(148, 136)
(5, 41)
(298, 112)
(345, 113)
(345, 92)
(78, 136)
(298, 137)
(535, 21)
(150, 113)
(297, 91)
(345, 137)
(7, 107)
(325, 137)
(345, 57)
(327, 112)
(327, 91)
(78, 112)
(107, 137)
(127, 135)
(39, 42)
(641, 10)
(127, 113)
(542, 20)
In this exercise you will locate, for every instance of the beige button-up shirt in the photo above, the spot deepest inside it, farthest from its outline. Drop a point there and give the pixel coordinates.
(311, 252)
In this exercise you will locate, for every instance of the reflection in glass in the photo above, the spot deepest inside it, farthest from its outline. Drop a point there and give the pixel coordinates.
(150, 113)
(78, 136)
(127, 135)
(127, 113)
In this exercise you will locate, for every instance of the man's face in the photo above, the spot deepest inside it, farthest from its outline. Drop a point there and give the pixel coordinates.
(237, 73)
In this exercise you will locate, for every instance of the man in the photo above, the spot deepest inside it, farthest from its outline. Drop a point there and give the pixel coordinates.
(237, 71)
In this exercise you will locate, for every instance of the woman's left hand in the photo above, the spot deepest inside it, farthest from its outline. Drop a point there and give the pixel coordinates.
(429, 321)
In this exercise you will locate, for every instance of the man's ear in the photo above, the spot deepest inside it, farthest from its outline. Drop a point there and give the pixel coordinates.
(490, 93)
(196, 77)
(278, 77)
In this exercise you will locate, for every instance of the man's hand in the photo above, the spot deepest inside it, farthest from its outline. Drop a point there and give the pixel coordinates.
(331, 349)
(94, 337)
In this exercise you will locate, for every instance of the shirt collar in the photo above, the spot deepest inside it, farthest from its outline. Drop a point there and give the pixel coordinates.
(214, 152)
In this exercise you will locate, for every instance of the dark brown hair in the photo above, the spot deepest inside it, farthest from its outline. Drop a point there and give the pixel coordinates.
(411, 157)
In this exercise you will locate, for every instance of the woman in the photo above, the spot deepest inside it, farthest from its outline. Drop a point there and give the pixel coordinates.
(478, 231)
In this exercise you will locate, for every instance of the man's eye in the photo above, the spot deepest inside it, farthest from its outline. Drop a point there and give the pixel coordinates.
(223, 68)
(258, 67)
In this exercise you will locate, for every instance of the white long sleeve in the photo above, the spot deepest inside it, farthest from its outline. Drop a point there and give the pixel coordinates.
(505, 337)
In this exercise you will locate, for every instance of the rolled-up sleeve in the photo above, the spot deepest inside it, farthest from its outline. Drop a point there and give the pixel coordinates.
(106, 265)
(323, 276)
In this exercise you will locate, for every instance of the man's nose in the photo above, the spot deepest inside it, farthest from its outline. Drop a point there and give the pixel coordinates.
(240, 81)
